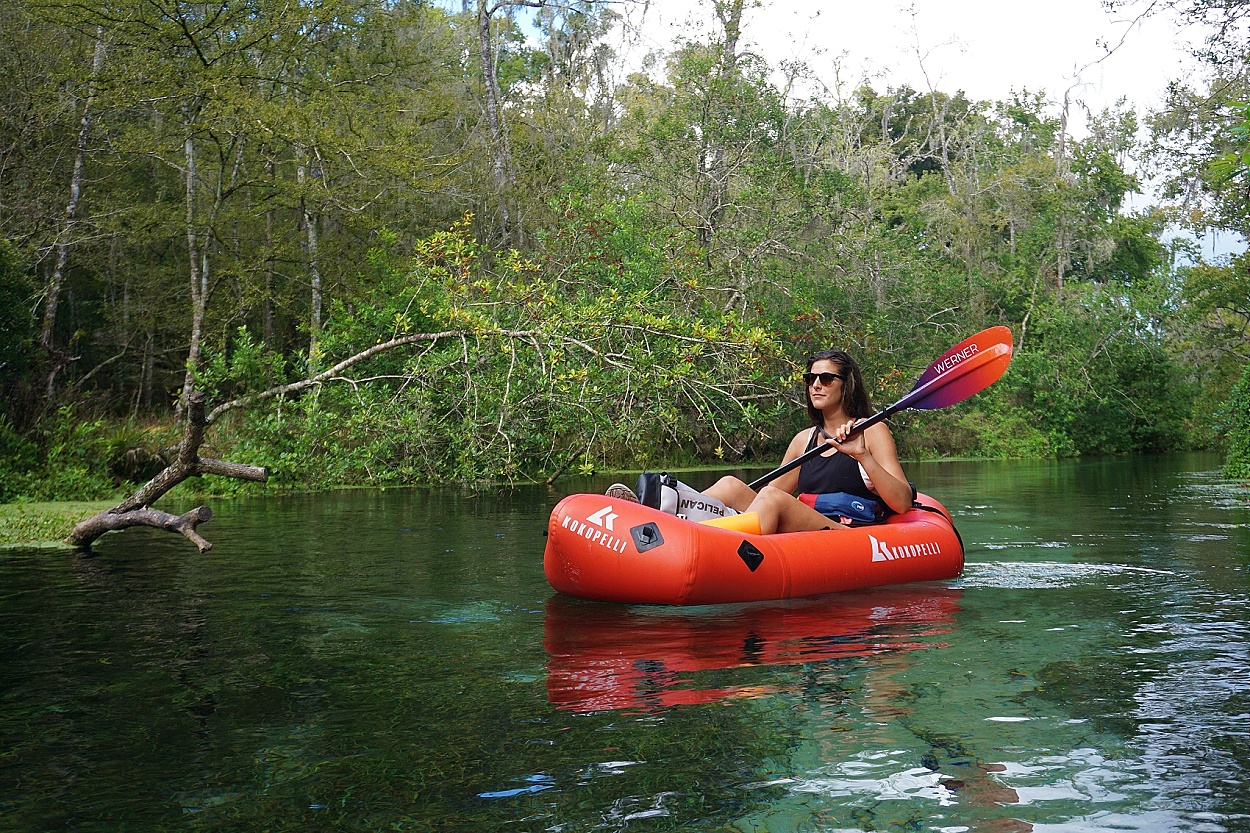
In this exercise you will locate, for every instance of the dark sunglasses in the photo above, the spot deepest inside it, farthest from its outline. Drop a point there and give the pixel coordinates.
(826, 378)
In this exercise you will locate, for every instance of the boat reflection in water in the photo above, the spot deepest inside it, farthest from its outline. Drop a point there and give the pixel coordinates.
(608, 656)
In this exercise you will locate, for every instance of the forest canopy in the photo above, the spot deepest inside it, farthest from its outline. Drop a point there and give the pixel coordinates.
(568, 270)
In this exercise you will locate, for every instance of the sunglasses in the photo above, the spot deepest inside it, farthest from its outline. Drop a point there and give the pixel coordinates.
(826, 378)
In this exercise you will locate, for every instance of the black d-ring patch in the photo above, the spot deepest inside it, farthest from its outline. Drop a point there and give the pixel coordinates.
(646, 537)
(750, 555)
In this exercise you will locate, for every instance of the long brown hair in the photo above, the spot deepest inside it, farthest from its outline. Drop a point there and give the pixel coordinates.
(854, 395)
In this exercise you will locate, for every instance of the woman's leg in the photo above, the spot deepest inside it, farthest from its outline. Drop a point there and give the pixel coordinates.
(781, 511)
(732, 492)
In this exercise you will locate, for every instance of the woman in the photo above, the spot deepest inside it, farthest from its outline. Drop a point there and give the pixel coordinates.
(865, 466)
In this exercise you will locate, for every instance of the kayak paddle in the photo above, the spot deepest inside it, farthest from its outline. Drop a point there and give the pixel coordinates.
(969, 367)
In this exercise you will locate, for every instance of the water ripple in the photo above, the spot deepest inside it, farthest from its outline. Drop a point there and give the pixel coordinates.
(881, 776)
(1023, 575)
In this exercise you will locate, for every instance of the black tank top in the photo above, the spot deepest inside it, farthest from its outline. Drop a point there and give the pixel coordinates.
(837, 473)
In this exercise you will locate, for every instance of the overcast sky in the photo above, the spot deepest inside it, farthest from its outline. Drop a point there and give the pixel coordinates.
(987, 48)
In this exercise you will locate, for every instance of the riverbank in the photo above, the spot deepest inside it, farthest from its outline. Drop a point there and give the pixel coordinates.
(43, 524)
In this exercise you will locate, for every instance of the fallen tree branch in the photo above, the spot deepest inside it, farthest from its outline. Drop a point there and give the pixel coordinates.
(87, 531)
(136, 510)
(293, 387)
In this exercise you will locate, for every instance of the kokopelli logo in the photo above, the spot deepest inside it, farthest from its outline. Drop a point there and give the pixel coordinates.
(604, 517)
(884, 552)
(600, 532)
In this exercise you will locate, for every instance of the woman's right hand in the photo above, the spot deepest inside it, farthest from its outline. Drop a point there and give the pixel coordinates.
(855, 446)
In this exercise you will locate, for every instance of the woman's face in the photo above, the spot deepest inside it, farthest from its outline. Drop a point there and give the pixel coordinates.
(824, 384)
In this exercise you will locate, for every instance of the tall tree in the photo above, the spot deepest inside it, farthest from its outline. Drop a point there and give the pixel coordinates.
(712, 155)
(52, 295)
(587, 19)
(502, 174)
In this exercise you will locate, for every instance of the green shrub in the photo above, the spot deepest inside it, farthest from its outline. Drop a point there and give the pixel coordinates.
(1008, 434)
(65, 457)
(18, 456)
(1235, 417)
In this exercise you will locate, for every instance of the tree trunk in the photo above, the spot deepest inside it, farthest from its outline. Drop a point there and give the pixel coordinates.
(267, 327)
(501, 152)
(145, 381)
(198, 270)
(712, 162)
(1062, 168)
(198, 250)
(309, 221)
(47, 335)
(314, 270)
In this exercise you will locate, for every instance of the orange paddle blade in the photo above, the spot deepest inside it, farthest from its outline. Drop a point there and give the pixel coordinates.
(969, 367)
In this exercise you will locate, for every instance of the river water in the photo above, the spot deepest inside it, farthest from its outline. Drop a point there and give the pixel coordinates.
(396, 661)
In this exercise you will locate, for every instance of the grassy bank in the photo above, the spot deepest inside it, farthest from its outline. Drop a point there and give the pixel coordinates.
(42, 524)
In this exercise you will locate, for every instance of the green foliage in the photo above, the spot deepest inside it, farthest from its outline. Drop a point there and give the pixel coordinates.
(1235, 418)
(1007, 434)
(1199, 137)
(245, 366)
(1100, 382)
(1214, 320)
(597, 360)
(17, 330)
(65, 458)
(18, 458)
(1220, 294)
(1234, 163)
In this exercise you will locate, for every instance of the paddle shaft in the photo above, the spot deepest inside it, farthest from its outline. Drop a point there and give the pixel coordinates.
(821, 447)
